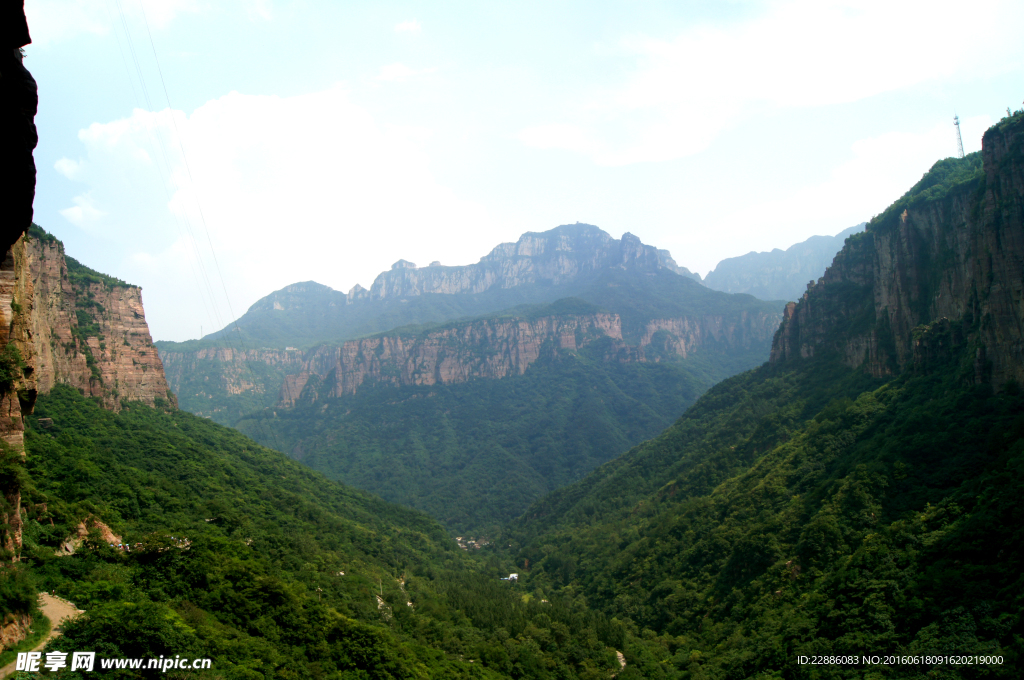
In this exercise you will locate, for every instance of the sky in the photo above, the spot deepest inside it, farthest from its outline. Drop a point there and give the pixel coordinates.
(213, 152)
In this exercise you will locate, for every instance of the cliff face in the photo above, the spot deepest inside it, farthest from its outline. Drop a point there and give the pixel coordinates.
(18, 387)
(950, 253)
(499, 348)
(222, 383)
(90, 333)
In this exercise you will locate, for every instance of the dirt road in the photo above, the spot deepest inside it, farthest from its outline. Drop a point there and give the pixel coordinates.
(58, 611)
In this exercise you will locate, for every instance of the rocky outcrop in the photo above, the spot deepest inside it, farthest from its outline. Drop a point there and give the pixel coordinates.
(81, 532)
(950, 252)
(13, 629)
(482, 349)
(503, 347)
(779, 274)
(554, 257)
(90, 332)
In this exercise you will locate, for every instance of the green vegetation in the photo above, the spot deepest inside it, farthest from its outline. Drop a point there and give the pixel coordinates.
(237, 554)
(476, 454)
(12, 366)
(37, 632)
(769, 524)
(807, 509)
(82, 277)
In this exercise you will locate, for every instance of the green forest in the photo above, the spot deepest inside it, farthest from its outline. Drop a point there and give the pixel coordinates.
(806, 509)
(476, 454)
(800, 510)
(243, 556)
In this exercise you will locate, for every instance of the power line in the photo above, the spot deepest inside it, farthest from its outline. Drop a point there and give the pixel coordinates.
(184, 224)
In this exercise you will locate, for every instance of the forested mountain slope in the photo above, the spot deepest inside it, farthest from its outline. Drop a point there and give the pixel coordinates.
(859, 495)
(473, 420)
(239, 555)
(180, 537)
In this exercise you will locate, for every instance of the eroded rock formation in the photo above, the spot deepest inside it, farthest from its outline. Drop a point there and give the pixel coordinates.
(503, 347)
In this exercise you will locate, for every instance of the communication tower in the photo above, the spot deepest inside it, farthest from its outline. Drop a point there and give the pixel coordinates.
(959, 139)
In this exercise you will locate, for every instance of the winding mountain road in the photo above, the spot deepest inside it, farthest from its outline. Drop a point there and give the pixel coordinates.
(58, 611)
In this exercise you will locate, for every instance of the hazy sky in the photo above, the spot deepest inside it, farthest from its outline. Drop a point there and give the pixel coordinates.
(260, 142)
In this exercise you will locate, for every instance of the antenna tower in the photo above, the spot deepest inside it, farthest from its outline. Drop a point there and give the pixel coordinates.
(959, 139)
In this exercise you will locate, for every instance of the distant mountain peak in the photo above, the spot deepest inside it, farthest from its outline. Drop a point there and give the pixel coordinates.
(779, 274)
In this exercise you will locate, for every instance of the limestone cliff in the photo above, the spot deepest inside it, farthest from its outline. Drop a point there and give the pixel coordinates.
(539, 268)
(89, 330)
(502, 347)
(223, 383)
(18, 382)
(945, 260)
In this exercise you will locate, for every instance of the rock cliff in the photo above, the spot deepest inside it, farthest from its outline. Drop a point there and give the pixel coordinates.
(61, 322)
(18, 105)
(89, 330)
(17, 377)
(538, 268)
(942, 264)
(502, 347)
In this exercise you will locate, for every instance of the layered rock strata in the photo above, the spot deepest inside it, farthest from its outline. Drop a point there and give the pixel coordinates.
(91, 334)
(499, 348)
(955, 258)
(18, 383)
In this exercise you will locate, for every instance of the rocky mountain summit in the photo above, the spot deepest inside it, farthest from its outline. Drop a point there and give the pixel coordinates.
(659, 311)
(538, 268)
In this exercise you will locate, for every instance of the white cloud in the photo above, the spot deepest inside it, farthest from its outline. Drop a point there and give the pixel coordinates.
(411, 26)
(397, 73)
(684, 92)
(84, 213)
(67, 167)
(290, 188)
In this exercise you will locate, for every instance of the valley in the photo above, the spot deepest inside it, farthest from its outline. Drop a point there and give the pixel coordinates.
(472, 419)
(573, 459)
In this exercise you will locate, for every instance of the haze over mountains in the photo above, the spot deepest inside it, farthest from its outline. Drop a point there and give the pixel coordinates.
(779, 274)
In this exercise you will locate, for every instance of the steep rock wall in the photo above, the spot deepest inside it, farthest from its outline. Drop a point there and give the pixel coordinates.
(499, 348)
(484, 349)
(18, 388)
(956, 255)
(91, 335)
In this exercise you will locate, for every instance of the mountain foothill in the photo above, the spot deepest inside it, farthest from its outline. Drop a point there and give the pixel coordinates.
(688, 478)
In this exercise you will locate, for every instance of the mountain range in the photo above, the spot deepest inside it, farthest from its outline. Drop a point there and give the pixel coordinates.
(849, 507)
(471, 419)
